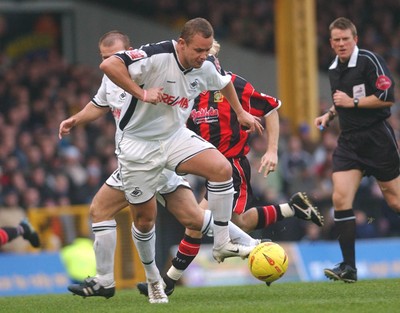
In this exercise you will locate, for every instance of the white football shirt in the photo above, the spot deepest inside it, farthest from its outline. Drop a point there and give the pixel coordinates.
(157, 65)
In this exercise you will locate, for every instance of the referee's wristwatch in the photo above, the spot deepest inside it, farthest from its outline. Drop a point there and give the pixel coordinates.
(356, 101)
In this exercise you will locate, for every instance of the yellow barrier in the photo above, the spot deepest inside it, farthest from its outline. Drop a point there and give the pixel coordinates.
(56, 225)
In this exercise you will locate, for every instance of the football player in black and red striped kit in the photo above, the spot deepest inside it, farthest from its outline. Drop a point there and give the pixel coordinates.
(214, 120)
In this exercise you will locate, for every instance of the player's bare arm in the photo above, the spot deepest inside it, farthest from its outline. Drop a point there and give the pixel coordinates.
(269, 160)
(88, 114)
(116, 70)
(245, 118)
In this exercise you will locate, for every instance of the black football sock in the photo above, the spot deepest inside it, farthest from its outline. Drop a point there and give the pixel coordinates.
(345, 223)
(7, 234)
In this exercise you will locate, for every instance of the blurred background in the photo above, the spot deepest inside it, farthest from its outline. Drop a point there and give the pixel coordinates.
(49, 70)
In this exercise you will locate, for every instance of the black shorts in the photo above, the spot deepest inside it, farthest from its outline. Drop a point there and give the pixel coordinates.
(241, 175)
(374, 151)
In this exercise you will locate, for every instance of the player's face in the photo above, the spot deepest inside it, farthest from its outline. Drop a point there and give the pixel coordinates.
(194, 53)
(343, 43)
(106, 52)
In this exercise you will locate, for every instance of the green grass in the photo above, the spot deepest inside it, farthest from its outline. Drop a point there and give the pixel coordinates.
(362, 297)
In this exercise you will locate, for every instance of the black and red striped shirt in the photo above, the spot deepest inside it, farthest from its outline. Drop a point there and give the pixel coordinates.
(214, 119)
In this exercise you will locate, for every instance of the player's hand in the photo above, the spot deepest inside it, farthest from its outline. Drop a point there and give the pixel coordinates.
(152, 95)
(269, 162)
(66, 126)
(250, 122)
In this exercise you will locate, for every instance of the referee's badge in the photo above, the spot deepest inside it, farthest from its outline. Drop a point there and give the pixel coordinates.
(383, 82)
(218, 97)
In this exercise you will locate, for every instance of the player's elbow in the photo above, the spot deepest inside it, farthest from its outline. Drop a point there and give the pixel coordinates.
(104, 65)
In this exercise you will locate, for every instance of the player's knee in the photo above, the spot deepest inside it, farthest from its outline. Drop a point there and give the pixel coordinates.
(394, 203)
(144, 225)
(95, 214)
(338, 200)
(98, 213)
(223, 171)
(192, 223)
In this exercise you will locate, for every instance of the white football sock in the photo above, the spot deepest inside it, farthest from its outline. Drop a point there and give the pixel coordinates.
(239, 236)
(286, 210)
(174, 273)
(146, 247)
(236, 234)
(105, 240)
(207, 222)
(220, 199)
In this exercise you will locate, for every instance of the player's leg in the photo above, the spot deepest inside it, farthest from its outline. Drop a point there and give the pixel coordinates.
(345, 185)
(8, 233)
(391, 192)
(219, 186)
(144, 237)
(105, 205)
(262, 216)
(183, 205)
(107, 202)
(176, 195)
(24, 229)
(189, 153)
(141, 164)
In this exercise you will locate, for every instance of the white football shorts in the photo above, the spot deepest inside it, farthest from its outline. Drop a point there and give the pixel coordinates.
(142, 161)
(169, 181)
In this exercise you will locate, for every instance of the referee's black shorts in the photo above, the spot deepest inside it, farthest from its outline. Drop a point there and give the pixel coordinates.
(374, 151)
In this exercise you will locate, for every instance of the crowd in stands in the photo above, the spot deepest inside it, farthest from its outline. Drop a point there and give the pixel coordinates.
(250, 23)
(36, 93)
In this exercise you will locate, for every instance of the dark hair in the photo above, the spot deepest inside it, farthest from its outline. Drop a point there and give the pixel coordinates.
(195, 26)
(109, 38)
(343, 24)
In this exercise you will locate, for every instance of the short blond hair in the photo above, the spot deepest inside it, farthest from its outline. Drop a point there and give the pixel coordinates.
(215, 48)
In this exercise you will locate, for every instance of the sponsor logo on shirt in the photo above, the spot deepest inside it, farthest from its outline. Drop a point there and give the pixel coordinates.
(135, 54)
(175, 101)
(383, 82)
(204, 116)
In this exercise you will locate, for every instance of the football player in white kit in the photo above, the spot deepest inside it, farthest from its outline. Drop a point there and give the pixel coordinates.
(110, 199)
(152, 133)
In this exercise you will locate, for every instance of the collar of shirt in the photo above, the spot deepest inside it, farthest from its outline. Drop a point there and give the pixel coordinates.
(352, 62)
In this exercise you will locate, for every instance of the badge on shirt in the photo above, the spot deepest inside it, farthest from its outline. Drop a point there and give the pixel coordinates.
(359, 91)
(218, 97)
(135, 54)
(383, 82)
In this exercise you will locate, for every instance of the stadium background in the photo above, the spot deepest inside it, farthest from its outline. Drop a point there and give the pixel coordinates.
(49, 70)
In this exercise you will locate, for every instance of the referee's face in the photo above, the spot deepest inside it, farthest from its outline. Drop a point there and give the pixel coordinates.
(343, 43)
(193, 54)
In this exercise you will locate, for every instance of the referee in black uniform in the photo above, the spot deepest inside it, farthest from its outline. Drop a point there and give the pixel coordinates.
(362, 92)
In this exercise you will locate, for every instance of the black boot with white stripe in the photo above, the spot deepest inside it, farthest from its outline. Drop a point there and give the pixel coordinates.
(92, 288)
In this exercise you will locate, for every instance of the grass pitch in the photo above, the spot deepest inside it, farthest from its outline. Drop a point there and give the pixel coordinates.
(362, 297)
